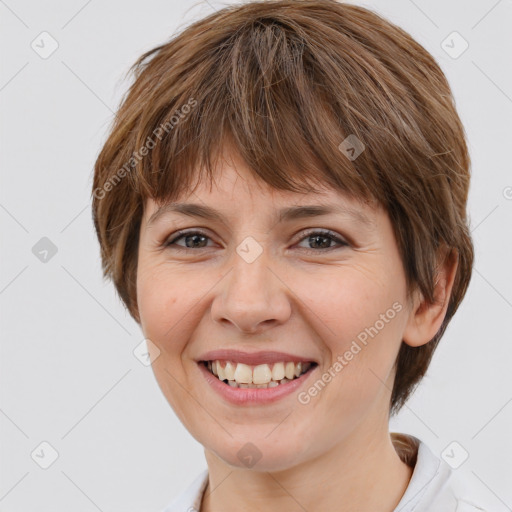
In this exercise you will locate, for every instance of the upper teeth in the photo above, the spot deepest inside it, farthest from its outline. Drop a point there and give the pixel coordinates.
(260, 374)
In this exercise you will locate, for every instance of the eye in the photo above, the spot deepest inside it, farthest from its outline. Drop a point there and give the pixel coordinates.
(198, 240)
(322, 239)
(194, 238)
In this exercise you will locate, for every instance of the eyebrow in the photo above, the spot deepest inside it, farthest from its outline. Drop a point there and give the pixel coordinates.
(284, 215)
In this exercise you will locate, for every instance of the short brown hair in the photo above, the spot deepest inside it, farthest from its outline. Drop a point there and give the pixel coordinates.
(287, 81)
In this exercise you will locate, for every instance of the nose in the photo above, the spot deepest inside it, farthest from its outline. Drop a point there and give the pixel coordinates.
(252, 297)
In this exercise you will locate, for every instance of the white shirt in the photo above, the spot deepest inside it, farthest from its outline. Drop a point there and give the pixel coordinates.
(434, 487)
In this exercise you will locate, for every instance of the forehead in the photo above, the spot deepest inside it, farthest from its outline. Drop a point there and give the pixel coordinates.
(232, 178)
(233, 192)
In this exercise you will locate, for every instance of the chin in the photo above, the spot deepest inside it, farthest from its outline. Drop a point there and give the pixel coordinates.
(259, 454)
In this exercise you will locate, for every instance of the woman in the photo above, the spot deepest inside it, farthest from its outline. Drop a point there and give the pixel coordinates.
(281, 204)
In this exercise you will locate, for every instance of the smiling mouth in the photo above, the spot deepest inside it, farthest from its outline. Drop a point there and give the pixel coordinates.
(262, 376)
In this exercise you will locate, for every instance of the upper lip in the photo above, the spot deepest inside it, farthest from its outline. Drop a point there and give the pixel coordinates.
(253, 358)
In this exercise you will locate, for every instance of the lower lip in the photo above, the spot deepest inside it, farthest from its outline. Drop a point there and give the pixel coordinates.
(251, 396)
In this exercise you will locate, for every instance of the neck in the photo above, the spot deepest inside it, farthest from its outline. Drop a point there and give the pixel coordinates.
(363, 472)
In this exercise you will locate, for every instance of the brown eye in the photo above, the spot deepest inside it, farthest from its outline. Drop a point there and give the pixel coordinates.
(193, 240)
(321, 241)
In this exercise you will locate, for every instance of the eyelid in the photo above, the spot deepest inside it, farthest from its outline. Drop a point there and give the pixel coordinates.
(340, 240)
(303, 234)
(184, 232)
(322, 231)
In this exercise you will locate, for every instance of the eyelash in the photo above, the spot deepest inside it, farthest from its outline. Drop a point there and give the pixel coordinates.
(325, 233)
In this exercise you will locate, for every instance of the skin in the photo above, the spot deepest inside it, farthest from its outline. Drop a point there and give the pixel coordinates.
(334, 453)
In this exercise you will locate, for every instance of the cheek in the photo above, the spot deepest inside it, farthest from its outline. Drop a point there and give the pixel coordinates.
(162, 301)
(171, 305)
(357, 315)
(347, 300)
(359, 328)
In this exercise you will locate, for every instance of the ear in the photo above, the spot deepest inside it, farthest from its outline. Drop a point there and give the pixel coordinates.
(425, 319)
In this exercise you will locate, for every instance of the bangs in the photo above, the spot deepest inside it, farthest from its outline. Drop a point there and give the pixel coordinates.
(255, 94)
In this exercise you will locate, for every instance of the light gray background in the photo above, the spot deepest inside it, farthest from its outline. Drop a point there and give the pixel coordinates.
(68, 373)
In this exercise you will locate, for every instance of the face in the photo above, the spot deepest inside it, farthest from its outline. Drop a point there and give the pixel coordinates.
(264, 291)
